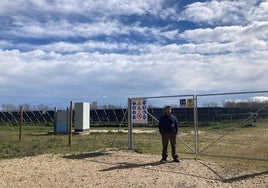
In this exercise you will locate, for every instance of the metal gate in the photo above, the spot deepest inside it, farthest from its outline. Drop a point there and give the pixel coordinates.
(222, 124)
(233, 125)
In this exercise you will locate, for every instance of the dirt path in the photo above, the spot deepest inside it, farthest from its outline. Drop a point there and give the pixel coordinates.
(116, 168)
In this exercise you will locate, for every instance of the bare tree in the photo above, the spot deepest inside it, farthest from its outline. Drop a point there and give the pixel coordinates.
(94, 105)
(26, 107)
(43, 108)
(210, 104)
(249, 104)
(9, 107)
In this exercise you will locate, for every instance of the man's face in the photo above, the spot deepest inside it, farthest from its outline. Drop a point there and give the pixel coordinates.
(168, 111)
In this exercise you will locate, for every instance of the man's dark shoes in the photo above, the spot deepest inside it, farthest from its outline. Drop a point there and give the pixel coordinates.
(176, 158)
(163, 160)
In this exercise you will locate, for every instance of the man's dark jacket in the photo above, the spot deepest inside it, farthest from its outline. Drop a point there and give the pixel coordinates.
(168, 123)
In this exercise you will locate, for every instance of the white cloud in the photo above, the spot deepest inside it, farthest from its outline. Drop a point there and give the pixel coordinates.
(87, 19)
(260, 13)
(109, 8)
(64, 28)
(228, 39)
(225, 12)
(213, 12)
(162, 65)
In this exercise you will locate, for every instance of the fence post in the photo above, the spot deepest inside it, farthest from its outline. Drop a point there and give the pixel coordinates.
(21, 121)
(70, 123)
(130, 139)
(196, 127)
(55, 120)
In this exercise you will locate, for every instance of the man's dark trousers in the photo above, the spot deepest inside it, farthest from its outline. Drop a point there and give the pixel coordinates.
(166, 137)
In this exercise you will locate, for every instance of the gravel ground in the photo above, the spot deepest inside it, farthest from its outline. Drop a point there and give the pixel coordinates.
(117, 168)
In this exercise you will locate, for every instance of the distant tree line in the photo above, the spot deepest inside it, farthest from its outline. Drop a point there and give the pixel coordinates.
(94, 105)
(25, 107)
(242, 104)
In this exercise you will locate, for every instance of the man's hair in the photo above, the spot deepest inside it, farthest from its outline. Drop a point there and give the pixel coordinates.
(166, 107)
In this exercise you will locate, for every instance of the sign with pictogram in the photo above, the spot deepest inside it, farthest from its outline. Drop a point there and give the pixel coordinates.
(190, 103)
(139, 111)
(182, 103)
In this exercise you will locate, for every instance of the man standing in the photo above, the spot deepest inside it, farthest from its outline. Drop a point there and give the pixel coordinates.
(168, 128)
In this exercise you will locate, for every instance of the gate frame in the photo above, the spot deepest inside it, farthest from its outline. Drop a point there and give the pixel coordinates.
(130, 124)
(217, 94)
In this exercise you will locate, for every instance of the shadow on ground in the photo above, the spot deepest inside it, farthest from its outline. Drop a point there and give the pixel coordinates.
(86, 155)
(235, 178)
(243, 177)
(124, 165)
(150, 165)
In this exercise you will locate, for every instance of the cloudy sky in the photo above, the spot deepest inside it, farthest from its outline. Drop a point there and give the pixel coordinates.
(54, 51)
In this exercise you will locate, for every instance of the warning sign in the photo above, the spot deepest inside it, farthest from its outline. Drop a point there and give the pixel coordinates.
(139, 111)
(190, 103)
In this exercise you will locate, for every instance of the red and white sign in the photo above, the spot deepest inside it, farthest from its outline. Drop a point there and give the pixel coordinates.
(139, 111)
